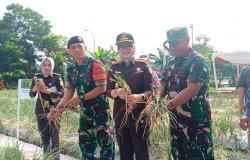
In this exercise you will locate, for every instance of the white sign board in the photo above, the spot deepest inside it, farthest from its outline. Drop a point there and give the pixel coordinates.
(24, 88)
(23, 93)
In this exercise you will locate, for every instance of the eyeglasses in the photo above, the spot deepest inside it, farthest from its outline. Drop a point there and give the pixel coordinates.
(124, 46)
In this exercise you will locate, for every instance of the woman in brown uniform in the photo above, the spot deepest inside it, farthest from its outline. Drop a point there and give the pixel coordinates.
(132, 139)
(49, 87)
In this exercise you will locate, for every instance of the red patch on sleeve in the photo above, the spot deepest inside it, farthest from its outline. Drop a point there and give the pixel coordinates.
(99, 73)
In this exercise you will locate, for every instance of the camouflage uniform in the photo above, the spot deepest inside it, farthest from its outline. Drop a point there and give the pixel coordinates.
(95, 116)
(190, 128)
(244, 81)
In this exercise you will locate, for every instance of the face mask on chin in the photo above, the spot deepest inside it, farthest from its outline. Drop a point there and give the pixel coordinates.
(127, 60)
(47, 74)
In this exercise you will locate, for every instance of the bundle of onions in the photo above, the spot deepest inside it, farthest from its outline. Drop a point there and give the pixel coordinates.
(121, 83)
(156, 117)
(55, 114)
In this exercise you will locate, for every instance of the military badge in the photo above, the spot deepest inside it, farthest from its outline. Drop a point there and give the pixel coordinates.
(46, 104)
(138, 70)
(118, 72)
(79, 39)
(124, 37)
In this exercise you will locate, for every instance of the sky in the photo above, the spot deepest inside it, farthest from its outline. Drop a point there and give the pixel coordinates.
(225, 22)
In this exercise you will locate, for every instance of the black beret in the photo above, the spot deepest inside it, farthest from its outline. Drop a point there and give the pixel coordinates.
(74, 39)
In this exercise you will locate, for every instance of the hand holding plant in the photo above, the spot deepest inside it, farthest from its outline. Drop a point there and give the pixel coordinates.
(245, 123)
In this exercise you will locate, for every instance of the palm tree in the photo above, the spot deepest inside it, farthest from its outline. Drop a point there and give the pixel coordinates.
(105, 56)
(158, 63)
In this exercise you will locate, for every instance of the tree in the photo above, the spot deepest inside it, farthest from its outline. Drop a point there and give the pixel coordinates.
(158, 63)
(225, 71)
(105, 56)
(24, 35)
(202, 46)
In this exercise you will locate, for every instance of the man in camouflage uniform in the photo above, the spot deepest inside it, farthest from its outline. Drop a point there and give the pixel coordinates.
(244, 98)
(185, 81)
(89, 78)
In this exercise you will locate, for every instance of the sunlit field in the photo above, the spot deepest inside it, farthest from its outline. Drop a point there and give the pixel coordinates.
(225, 116)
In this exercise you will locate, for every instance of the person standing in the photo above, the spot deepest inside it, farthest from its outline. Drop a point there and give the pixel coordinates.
(137, 74)
(244, 97)
(185, 81)
(49, 87)
(87, 76)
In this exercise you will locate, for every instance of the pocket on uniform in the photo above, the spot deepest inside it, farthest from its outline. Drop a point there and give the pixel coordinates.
(101, 119)
(202, 139)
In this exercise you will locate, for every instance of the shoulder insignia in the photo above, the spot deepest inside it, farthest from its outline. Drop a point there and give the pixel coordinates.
(116, 62)
(37, 75)
(150, 69)
(118, 72)
(56, 74)
(96, 61)
(61, 81)
(141, 60)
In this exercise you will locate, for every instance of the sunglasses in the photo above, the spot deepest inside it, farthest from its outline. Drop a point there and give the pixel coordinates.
(124, 46)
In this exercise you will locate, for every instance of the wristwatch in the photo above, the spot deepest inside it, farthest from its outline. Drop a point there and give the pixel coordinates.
(143, 98)
(82, 97)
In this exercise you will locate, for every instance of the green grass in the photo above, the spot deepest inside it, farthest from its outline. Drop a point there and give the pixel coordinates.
(11, 153)
(28, 124)
(225, 117)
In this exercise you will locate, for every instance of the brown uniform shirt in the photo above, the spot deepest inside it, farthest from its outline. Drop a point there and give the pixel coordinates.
(138, 76)
(54, 82)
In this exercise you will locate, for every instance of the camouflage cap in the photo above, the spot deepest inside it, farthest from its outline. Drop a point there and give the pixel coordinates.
(174, 35)
(124, 37)
(74, 39)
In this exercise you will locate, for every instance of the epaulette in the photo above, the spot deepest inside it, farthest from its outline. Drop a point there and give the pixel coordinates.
(116, 62)
(56, 74)
(38, 74)
(141, 60)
